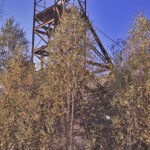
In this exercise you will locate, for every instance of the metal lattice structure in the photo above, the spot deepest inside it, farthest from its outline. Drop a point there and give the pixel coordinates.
(47, 14)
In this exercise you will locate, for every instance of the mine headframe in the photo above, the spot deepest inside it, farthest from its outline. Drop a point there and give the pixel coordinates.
(47, 14)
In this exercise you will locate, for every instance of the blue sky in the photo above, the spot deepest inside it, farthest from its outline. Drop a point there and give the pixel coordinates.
(113, 17)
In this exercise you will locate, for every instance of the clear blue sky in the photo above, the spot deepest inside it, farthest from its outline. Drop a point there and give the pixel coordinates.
(113, 17)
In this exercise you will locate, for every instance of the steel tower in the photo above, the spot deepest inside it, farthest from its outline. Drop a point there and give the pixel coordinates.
(46, 16)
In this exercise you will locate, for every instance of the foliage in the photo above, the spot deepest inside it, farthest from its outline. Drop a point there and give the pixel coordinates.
(130, 86)
(56, 106)
(15, 112)
(38, 109)
(125, 96)
(12, 42)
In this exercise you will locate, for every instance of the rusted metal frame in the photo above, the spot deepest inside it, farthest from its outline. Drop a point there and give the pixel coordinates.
(99, 42)
(43, 10)
(40, 32)
(47, 30)
(56, 9)
(98, 53)
(38, 20)
(39, 41)
(98, 64)
(45, 33)
(40, 26)
(58, 13)
(33, 35)
(41, 37)
(95, 36)
(39, 49)
(85, 5)
(42, 52)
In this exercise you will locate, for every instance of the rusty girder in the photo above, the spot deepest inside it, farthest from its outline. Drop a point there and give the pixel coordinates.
(46, 16)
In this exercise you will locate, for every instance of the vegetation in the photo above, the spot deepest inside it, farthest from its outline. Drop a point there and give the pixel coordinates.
(131, 88)
(64, 105)
(13, 42)
(38, 108)
(127, 94)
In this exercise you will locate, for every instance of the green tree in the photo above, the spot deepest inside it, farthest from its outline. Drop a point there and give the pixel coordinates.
(69, 74)
(12, 42)
(16, 115)
(125, 96)
(39, 109)
(130, 86)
